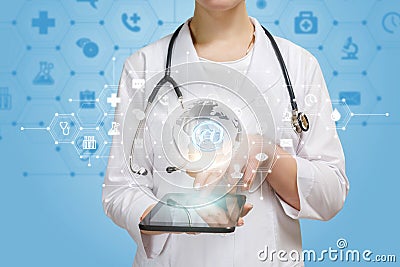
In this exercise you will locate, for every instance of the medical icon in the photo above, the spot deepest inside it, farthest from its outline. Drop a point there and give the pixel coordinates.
(87, 99)
(114, 129)
(350, 49)
(286, 143)
(63, 128)
(132, 25)
(336, 116)
(391, 22)
(310, 100)
(261, 157)
(113, 100)
(351, 98)
(91, 2)
(236, 174)
(89, 48)
(43, 22)
(208, 136)
(138, 83)
(287, 116)
(64, 125)
(82, 144)
(163, 100)
(89, 143)
(261, 4)
(306, 23)
(5, 99)
(44, 76)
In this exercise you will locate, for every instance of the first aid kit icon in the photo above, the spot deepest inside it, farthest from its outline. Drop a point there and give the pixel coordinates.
(306, 23)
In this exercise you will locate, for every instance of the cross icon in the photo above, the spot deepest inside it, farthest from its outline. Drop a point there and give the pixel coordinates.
(113, 100)
(43, 22)
(306, 25)
(135, 18)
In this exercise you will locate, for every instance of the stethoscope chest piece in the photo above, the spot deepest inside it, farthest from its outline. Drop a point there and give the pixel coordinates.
(300, 122)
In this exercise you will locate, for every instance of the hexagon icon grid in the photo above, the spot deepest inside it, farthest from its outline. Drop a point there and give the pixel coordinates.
(12, 100)
(64, 128)
(358, 94)
(307, 22)
(43, 73)
(343, 10)
(114, 67)
(11, 48)
(87, 47)
(109, 99)
(384, 22)
(350, 48)
(87, 10)
(88, 144)
(42, 22)
(131, 24)
(81, 95)
(339, 113)
(264, 9)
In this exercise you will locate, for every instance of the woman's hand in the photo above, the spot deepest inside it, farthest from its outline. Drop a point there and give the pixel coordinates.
(261, 154)
(216, 216)
(256, 155)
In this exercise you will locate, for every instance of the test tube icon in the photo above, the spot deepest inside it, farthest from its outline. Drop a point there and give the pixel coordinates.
(89, 143)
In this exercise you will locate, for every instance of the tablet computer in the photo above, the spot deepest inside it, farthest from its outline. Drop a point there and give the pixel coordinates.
(197, 213)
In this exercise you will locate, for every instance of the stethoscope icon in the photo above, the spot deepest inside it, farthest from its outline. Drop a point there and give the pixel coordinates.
(64, 127)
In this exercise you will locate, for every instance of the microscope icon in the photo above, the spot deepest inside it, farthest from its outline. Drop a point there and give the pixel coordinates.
(350, 49)
(44, 77)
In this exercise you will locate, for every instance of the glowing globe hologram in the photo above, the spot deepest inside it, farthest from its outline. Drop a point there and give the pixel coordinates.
(224, 123)
(205, 135)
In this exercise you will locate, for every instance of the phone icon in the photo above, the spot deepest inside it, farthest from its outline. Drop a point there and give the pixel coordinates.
(131, 22)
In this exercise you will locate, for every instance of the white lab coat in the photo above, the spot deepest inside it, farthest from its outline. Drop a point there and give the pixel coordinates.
(321, 178)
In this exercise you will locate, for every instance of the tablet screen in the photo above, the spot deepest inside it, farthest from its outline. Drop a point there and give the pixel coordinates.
(177, 212)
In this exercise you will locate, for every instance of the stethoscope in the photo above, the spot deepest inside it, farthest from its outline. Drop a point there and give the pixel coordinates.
(300, 121)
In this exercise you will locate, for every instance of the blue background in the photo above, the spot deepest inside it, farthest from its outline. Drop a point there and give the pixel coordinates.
(51, 213)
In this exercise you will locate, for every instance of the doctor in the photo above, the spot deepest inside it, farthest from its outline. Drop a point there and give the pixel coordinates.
(308, 179)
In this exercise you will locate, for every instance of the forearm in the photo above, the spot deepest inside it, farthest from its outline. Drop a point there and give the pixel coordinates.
(283, 178)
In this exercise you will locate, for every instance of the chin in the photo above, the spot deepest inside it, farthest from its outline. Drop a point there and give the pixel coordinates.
(220, 5)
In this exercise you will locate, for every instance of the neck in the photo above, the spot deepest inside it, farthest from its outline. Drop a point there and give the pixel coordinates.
(208, 26)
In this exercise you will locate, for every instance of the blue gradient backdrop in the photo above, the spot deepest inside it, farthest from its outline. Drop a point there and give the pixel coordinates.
(51, 213)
